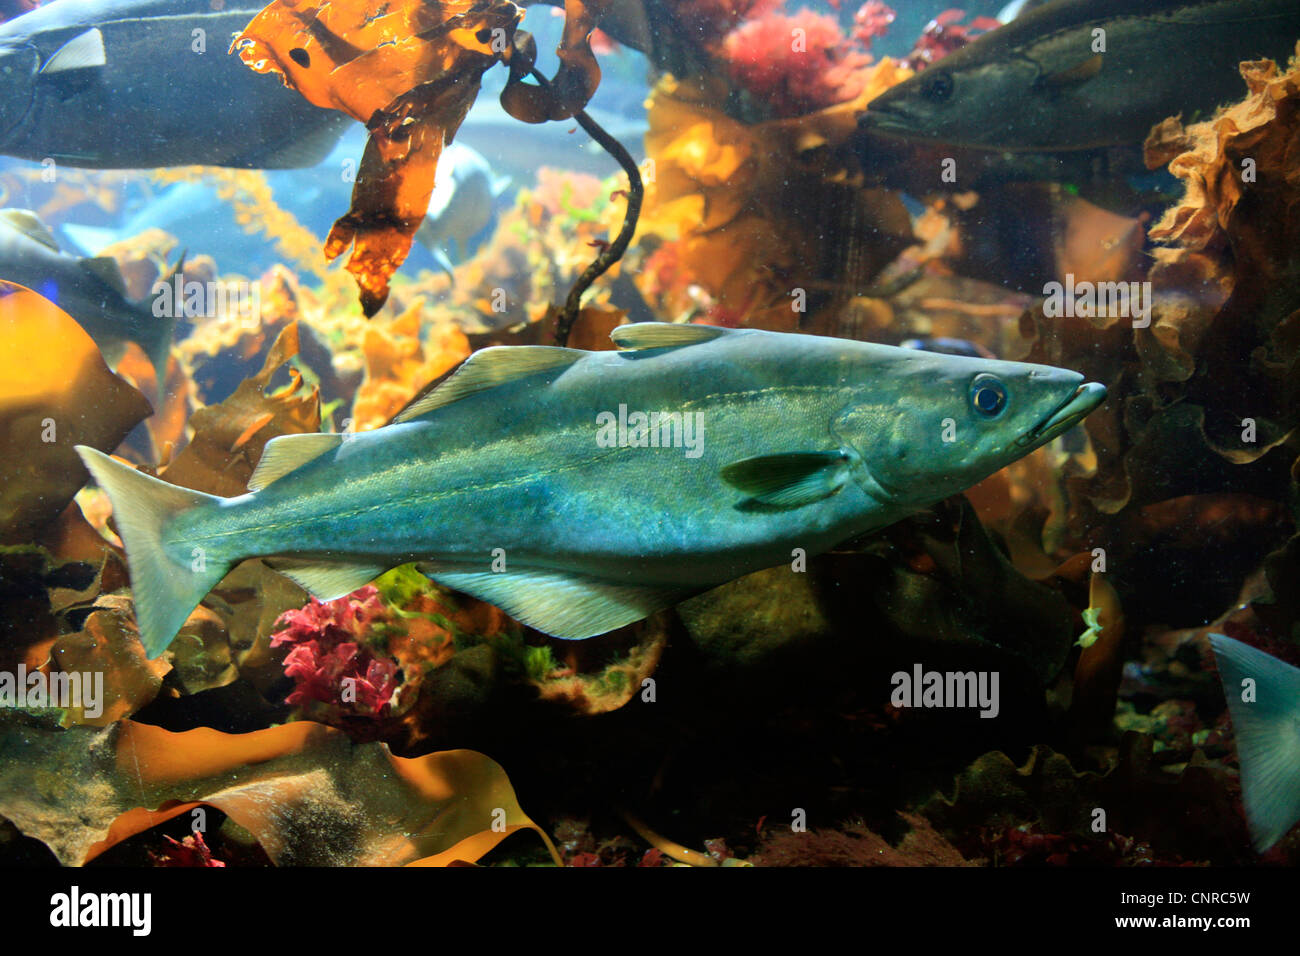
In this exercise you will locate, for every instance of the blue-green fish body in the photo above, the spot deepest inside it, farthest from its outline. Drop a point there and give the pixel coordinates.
(581, 491)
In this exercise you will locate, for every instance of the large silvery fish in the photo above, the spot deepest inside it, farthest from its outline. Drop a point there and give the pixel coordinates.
(1264, 699)
(123, 84)
(1046, 83)
(91, 290)
(581, 491)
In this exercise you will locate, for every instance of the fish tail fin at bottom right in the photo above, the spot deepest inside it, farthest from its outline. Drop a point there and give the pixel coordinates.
(163, 590)
(1264, 699)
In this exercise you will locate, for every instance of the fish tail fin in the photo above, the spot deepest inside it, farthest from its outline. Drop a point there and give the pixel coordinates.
(164, 590)
(1264, 700)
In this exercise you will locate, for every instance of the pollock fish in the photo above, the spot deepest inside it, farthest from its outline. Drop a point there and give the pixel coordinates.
(1264, 701)
(133, 84)
(1046, 82)
(581, 491)
(91, 290)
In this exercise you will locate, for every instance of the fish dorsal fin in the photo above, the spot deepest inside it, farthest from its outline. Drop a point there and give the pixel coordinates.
(105, 269)
(84, 51)
(489, 368)
(790, 480)
(288, 453)
(559, 603)
(664, 335)
(30, 225)
(326, 580)
(1079, 73)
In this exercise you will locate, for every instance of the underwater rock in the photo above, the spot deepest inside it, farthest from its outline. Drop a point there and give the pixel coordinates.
(309, 794)
(55, 392)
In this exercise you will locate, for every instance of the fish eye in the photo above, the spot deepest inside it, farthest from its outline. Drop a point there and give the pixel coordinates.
(988, 395)
(937, 85)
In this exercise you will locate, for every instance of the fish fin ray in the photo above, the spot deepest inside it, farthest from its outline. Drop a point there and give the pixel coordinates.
(489, 368)
(164, 591)
(326, 580)
(84, 51)
(664, 335)
(287, 453)
(790, 480)
(31, 225)
(564, 605)
(1268, 736)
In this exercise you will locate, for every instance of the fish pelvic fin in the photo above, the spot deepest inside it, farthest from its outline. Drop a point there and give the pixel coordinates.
(1264, 700)
(164, 590)
(559, 603)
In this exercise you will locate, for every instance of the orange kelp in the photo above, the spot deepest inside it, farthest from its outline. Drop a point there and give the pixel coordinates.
(55, 392)
(410, 72)
(306, 792)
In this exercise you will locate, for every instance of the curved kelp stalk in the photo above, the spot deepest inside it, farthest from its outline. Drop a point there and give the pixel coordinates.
(522, 63)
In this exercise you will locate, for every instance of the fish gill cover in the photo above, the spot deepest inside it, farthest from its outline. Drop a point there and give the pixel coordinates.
(310, 695)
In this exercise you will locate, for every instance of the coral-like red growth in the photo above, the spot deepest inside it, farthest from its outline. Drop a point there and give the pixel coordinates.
(797, 63)
(191, 851)
(945, 34)
(872, 20)
(329, 662)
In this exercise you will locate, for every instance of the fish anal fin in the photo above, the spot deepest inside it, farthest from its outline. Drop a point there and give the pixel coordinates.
(326, 580)
(83, 52)
(288, 453)
(489, 368)
(664, 335)
(559, 603)
(789, 480)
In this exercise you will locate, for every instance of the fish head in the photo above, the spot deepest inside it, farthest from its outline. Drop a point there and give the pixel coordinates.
(968, 101)
(931, 425)
(19, 65)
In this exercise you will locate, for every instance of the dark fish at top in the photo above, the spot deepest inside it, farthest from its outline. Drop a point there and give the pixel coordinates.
(122, 84)
(1042, 83)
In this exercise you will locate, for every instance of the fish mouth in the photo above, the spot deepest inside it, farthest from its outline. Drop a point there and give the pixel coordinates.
(1076, 407)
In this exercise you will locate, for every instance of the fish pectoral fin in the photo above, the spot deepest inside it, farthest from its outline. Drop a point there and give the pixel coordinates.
(1079, 73)
(288, 453)
(31, 226)
(789, 480)
(83, 52)
(106, 269)
(561, 604)
(326, 580)
(490, 367)
(664, 335)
